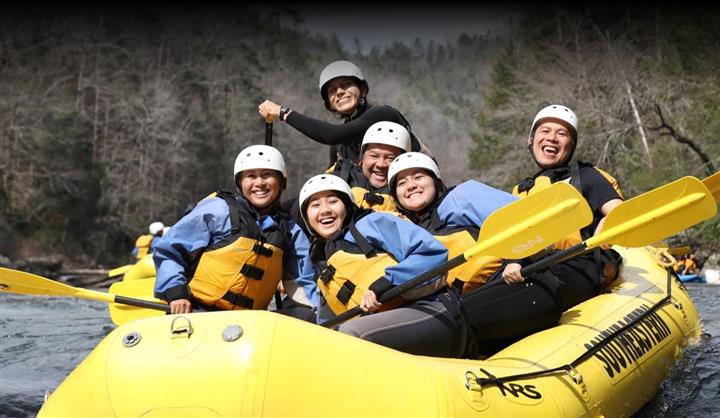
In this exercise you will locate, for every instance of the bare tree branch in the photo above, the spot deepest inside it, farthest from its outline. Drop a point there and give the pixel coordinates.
(665, 129)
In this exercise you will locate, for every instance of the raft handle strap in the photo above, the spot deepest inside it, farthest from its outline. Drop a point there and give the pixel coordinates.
(568, 368)
(491, 378)
(186, 329)
(575, 375)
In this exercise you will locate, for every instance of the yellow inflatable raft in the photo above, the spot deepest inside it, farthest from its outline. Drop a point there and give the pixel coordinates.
(607, 357)
(144, 268)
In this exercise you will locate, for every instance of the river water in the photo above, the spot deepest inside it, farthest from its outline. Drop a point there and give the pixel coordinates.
(42, 339)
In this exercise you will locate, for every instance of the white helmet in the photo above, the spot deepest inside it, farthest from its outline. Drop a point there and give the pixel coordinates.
(559, 112)
(339, 69)
(155, 228)
(321, 183)
(412, 160)
(260, 156)
(389, 133)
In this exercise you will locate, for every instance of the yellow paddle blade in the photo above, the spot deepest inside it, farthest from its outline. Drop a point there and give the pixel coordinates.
(657, 214)
(713, 184)
(119, 271)
(15, 281)
(528, 225)
(139, 289)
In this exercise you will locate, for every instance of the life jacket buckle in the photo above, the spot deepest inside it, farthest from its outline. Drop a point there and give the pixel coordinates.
(260, 249)
(326, 274)
(373, 199)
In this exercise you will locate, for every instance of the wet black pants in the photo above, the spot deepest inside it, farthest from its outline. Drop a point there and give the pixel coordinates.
(499, 313)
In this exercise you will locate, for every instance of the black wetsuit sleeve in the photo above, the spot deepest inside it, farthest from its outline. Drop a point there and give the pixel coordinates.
(333, 134)
(596, 189)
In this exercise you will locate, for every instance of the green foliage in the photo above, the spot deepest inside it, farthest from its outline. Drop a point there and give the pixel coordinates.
(494, 140)
(503, 83)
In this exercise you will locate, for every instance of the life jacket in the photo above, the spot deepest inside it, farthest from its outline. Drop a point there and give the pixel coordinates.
(608, 260)
(143, 245)
(346, 270)
(241, 271)
(545, 178)
(366, 196)
(474, 272)
(690, 266)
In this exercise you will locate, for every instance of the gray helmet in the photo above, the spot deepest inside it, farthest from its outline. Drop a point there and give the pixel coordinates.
(340, 69)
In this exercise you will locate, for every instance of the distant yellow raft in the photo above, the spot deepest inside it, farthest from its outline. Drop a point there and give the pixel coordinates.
(261, 364)
(144, 268)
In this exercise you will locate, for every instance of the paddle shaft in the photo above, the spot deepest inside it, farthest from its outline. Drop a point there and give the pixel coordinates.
(555, 258)
(399, 290)
(268, 142)
(142, 303)
(268, 133)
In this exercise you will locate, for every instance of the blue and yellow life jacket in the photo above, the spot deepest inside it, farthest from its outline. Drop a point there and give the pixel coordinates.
(474, 272)
(241, 271)
(347, 270)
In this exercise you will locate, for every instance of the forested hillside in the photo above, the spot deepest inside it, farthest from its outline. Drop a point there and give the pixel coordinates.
(109, 121)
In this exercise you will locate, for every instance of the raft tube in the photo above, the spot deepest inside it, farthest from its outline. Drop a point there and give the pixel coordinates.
(607, 357)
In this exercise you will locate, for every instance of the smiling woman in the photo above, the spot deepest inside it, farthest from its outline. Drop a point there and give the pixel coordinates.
(453, 215)
(361, 254)
(261, 187)
(344, 91)
(198, 259)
